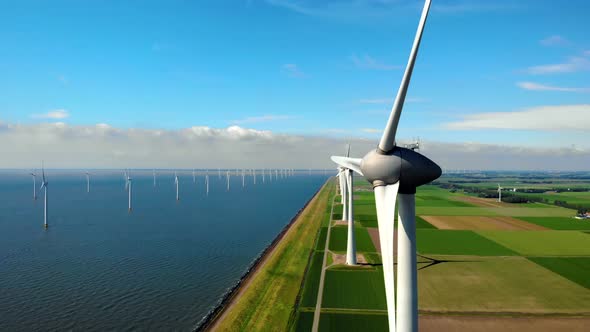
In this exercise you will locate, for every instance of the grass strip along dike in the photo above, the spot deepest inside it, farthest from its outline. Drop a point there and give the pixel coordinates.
(264, 299)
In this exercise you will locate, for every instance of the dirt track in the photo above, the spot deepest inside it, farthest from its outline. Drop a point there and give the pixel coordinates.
(521, 324)
(481, 223)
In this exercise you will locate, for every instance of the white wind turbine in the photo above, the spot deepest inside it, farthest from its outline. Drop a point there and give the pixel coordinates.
(499, 193)
(154, 174)
(128, 187)
(87, 182)
(34, 184)
(176, 182)
(351, 241)
(390, 169)
(243, 178)
(227, 175)
(207, 182)
(44, 187)
(194, 178)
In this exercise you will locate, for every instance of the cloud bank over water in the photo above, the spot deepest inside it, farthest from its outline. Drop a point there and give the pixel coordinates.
(102, 146)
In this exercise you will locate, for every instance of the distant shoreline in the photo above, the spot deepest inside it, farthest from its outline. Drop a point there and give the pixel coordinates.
(226, 301)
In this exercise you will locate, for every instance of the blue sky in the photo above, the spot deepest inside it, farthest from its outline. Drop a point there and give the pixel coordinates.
(324, 68)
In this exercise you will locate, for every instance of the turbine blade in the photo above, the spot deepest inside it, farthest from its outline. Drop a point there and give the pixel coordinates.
(385, 197)
(350, 163)
(388, 139)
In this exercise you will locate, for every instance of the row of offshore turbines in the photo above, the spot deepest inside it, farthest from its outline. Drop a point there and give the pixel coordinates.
(264, 176)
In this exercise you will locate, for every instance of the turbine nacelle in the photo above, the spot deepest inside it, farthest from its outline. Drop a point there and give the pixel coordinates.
(410, 168)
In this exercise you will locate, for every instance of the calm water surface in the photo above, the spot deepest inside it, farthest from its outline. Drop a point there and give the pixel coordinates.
(161, 267)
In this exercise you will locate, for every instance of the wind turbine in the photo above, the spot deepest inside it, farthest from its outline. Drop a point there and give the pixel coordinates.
(392, 169)
(87, 182)
(243, 178)
(194, 179)
(351, 243)
(129, 189)
(228, 175)
(254, 175)
(44, 187)
(499, 193)
(207, 182)
(154, 173)
(176, 182)
(34, 185)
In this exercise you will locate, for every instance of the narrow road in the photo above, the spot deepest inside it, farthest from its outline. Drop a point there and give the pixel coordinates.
(318, 305)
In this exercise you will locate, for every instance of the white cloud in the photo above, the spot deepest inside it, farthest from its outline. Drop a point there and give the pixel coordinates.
(552, 118)
(354, 9)
(292, 70)
(571, 65)
(105, 146)
(368, 62)
(263, 118)
(542, 87)
(55, 114)
(371, 130)
(554, 40)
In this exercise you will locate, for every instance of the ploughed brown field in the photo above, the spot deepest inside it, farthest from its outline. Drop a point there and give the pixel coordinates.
(492, 324)
(481, 223)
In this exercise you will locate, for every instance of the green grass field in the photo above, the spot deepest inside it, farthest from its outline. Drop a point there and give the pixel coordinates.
(345, 321)
(576, 269)
(310, 290)
(559, 223)
(339, 238)
(542, 243)
(451, 242)
(489, 284)
(359, 289)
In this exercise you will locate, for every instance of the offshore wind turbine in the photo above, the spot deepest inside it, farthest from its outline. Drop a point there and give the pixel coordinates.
(87, 182)
(176, 182)
(44, 187)
(392, 169)
(207, 182)
(154, 173)
(128, 186)
(227, 175)
(34, 185)
(194, 178)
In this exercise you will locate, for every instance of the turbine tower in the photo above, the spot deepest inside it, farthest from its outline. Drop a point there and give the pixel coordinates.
(44, 187)
(87, 182)
(176, 183)
(227, 175)
(392, 169)
(499, 193)
(129, 189)
(351, 243)
(207, 182)
(154, 173)
(194, 178)
(34, 185)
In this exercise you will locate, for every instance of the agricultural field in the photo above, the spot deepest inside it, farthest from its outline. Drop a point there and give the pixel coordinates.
(483, 265)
